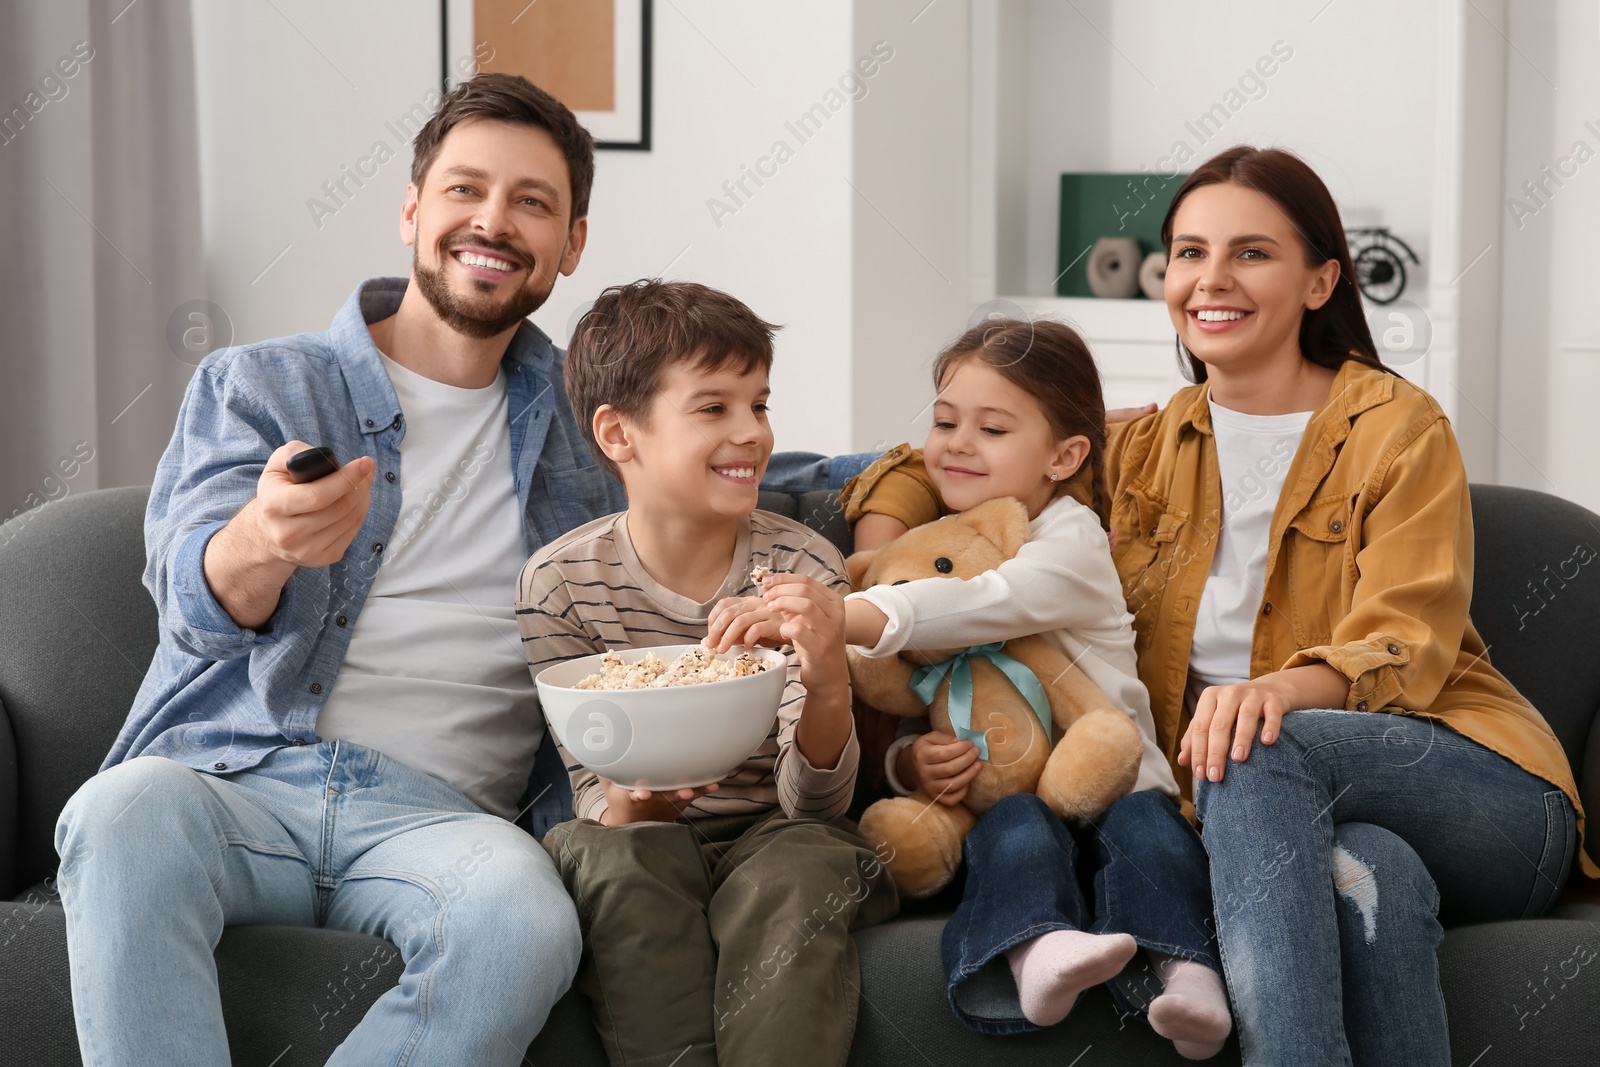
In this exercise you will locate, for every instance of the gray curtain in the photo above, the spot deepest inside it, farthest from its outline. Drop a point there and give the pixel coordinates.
(100, 242)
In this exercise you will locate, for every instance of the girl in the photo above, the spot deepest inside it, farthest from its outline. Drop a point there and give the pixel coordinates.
(1295, 540)
(1019, 414)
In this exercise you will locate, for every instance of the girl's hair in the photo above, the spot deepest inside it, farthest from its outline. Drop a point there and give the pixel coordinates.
(1333, 333)
(1050, 362)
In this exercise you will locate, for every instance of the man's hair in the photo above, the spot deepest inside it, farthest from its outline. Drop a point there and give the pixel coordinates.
(510, 98)
(634, 332)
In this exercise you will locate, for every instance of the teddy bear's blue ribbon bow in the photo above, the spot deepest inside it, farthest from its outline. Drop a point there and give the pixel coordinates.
(925, 683)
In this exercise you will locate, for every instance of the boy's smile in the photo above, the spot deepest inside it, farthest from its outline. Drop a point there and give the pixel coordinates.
(702, 448)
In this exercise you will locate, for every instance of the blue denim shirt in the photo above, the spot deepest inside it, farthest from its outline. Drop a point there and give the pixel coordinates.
(219, 697)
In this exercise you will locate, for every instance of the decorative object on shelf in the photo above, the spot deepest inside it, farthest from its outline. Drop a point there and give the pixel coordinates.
(1096, 205)
(1114, 267)
(1379, 258)
(1153, 275)
(592, 55)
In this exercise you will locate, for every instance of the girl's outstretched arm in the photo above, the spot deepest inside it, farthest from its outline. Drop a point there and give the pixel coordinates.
(1061, 579)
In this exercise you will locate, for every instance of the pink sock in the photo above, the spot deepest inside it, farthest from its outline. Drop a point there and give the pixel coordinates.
(1052, 969)
(1192, 1010)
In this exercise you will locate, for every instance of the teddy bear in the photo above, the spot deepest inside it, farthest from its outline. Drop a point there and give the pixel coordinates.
(1022, 695)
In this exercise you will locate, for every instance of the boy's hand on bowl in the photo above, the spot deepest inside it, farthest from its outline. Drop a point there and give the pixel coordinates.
(625, 805)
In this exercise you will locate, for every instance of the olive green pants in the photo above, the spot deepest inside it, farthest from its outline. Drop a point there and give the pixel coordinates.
(726, 941)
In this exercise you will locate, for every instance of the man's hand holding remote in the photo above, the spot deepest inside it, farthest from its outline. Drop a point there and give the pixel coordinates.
(285, 527)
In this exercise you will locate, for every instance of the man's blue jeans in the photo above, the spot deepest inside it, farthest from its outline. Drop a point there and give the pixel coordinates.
(1140, 870)
(1337, 851)
(158, 858)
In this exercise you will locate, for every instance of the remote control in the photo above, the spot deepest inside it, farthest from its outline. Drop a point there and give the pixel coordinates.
(312, 464)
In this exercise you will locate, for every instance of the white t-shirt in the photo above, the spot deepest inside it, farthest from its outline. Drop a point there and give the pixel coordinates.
(1253, 456)
(435, 675)
(1062, 585)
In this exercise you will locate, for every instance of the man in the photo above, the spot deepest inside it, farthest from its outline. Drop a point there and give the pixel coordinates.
(338, 725)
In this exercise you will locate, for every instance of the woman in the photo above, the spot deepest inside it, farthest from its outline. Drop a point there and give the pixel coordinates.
(1336, 574)
(1294, 538)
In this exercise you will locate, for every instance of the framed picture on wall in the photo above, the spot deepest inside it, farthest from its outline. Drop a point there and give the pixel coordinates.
(592, 55)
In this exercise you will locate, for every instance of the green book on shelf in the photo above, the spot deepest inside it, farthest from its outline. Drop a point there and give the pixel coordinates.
(1107, 205)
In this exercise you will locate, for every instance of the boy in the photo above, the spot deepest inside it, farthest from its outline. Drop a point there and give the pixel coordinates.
(716, 921)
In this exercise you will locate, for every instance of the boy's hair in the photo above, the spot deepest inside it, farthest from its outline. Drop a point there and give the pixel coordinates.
(510, 98)
(634, 332)
(1050, 362)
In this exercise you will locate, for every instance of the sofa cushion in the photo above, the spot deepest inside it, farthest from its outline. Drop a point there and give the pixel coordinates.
(1534, 603)
(78, 629)
(820, 510)
(289, 995)
(1523, 992)
(904, 1018)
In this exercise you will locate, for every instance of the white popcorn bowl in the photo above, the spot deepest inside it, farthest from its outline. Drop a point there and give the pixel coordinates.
(675, 737)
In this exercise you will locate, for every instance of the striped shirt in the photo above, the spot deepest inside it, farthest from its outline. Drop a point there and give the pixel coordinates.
(587, 592)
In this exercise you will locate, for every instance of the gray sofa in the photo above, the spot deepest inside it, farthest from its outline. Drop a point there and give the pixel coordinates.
(77, 630)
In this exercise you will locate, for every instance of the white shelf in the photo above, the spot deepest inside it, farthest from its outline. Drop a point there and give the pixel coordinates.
(1444, 337)
(1131, 341)
(1135, 320)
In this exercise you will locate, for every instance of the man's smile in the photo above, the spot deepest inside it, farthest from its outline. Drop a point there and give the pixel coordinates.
(486, 263)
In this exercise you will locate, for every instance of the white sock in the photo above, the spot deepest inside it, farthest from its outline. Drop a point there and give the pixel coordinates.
(1052, 969)
(1192, 1010)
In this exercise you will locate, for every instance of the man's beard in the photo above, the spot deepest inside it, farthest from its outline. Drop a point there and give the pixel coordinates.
(475, 318)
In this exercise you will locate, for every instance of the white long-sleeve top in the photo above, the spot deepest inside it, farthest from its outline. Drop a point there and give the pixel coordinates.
(1061, 585)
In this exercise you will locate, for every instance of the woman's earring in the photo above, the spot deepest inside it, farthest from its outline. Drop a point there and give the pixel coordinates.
(1055, 477)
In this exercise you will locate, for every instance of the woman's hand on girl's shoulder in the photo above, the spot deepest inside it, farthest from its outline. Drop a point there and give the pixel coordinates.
(1115, 415)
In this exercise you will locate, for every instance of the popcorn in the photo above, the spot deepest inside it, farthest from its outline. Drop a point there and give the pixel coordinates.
(760, 574)
(696, 666)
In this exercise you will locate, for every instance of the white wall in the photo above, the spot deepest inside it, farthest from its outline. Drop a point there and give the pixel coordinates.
(1550, 340)
(1114, 84)
(291, 93)
(910, 240)
(786, 249)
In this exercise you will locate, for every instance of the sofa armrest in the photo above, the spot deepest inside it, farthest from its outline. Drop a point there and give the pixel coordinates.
(8, 807)
(822, 512)
(1589, 790)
